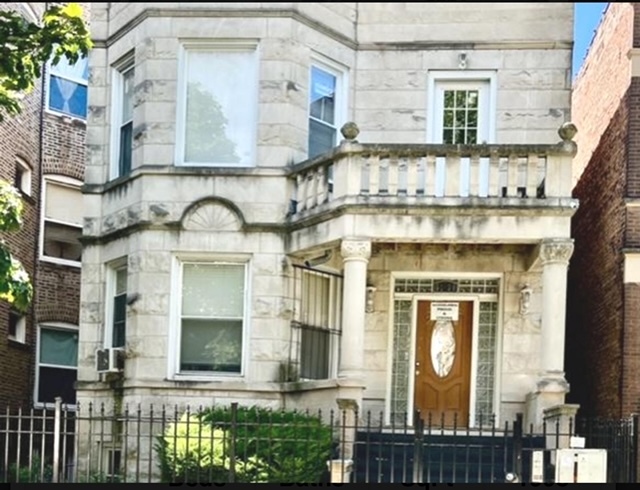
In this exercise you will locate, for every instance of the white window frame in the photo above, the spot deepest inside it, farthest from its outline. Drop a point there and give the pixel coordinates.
(111, 279)
(27, 174)
(51, 71)
(175, 328)
(36, 385)
(21, 328)
(181, 105)
(58, 179)
(483, 80)
(117, 86)
(333, 316)
(342, 86)
(485, 83)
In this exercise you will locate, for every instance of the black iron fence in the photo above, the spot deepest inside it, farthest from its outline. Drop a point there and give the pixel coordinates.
(250, 444)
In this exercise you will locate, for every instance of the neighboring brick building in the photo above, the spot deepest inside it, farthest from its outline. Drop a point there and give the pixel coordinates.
(43, 153)
(603, 322)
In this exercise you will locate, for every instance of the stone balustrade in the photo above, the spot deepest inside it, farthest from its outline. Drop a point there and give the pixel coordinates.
(377, 172)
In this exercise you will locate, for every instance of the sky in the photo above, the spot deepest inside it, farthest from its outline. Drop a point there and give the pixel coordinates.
(587, 18)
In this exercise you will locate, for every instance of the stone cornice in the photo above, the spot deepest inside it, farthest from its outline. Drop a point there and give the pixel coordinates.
(346, 40)
(225, 13)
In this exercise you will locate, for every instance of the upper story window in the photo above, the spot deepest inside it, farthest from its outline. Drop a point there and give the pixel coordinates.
(217, 104)
(22, 177)
(67, 87)
(62, 221)
(122, 127)
(326, 107)
(461, 112)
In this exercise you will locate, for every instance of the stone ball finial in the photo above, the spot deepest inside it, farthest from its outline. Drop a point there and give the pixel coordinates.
(567, 131)
(350, 131)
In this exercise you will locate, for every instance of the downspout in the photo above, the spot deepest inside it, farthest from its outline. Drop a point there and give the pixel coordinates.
(38, 206)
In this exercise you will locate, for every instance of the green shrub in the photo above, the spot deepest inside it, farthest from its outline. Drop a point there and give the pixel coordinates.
(26, 474)
(269, 446)
(192, 450)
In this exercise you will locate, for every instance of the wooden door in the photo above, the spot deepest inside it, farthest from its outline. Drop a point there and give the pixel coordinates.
(443, 365)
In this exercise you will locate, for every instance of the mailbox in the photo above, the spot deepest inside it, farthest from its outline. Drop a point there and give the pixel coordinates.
(580, 465)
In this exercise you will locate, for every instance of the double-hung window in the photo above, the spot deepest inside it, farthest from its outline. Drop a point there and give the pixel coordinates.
(117, 305)
(217, 104)
(122, 139)
(212, 317)
(62, 221)
(57, 366)
(67, 87)
(325, 108)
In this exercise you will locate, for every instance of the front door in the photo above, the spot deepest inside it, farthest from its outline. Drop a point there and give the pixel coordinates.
(443, 361)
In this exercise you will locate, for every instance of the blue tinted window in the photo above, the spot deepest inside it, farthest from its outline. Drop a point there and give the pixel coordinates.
(68, 87)
(68, 97)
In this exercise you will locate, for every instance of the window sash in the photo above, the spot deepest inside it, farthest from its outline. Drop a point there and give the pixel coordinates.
(63, 204)
(212, 317)
(61, 345)
(64, 234)
(125, 143)
(215, 129)
(324, 112)
(315, 353)
(119, 325)
(448, 104)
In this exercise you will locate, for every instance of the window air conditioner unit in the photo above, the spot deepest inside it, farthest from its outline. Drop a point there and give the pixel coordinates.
(110, 360)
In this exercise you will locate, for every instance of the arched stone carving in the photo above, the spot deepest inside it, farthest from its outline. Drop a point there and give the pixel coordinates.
(211, 215)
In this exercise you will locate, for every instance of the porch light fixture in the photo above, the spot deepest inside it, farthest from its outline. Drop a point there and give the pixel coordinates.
(371, 291)
(462, 60)
(525, 299)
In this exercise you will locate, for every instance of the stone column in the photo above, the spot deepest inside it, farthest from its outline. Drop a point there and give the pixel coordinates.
(554, 255)
(552, 385)
(355, 255)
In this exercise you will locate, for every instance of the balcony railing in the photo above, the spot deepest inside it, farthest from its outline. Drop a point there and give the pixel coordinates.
(378, 174)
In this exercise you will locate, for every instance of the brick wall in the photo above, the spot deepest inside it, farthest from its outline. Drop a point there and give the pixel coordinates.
(57, 288)
(595, 291)
(603, 345)
(20, 138)
(602, 82)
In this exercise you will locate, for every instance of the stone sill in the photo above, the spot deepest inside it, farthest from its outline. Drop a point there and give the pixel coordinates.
(213, 385)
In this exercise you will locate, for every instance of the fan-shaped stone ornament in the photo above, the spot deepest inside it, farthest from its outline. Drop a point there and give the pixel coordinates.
(443, 347)
(212, 216)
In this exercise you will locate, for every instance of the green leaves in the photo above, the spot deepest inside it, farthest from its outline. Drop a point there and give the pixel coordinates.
(25, 47)
(15, 285)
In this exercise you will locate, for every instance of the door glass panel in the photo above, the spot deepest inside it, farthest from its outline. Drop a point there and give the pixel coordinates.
(443, 347)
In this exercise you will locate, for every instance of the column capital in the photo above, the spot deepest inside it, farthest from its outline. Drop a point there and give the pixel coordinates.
(355, 249)
(557, 250)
